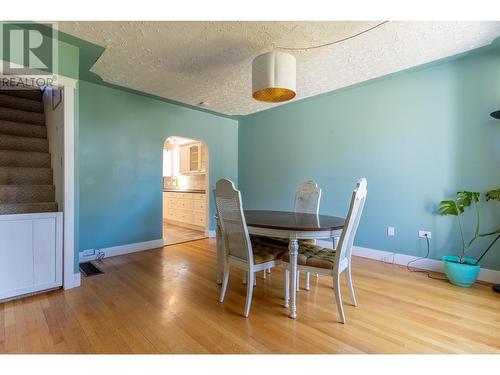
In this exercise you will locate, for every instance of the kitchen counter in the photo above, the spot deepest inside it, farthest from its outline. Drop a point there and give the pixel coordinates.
(197, 191)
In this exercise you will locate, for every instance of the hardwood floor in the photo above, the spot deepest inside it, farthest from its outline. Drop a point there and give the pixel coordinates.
(174, 234)
(165, 301)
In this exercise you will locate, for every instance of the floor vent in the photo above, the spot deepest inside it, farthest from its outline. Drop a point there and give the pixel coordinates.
(88, 269)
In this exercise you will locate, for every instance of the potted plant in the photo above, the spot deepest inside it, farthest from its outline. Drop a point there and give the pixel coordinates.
(462, 270)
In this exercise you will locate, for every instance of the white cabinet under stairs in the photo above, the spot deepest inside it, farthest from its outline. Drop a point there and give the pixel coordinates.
(30, 253)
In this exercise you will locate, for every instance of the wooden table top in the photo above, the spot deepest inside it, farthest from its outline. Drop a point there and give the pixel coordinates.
(292, 221)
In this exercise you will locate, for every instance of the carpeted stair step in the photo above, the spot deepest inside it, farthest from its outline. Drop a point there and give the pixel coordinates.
(27, 208)
(17, 115)
(27, 193)
(9, 158)
(25, 176)
(23, 129)
(12, 142)
(25, 94)
(21, 103)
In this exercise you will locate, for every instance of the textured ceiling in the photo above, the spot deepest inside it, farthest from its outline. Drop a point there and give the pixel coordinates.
(210, 62)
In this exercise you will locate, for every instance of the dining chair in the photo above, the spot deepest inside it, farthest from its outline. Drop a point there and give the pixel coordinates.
(333, 262)
(238, 249)
(306, 200)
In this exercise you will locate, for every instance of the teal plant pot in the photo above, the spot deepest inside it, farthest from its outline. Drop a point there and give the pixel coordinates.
(461, 274)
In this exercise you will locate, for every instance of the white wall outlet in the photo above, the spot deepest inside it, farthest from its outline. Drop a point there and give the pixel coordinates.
(424, 233)
(391, 231)
(88, 253)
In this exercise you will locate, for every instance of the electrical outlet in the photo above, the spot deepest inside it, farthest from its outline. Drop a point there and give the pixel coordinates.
(88, 253)
(391, 231)
(424, 233)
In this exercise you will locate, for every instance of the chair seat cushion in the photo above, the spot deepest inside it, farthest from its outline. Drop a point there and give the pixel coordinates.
(263, 253)
(313, 256)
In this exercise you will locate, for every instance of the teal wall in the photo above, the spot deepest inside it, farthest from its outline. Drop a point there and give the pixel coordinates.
(418, 137)
(119, 168)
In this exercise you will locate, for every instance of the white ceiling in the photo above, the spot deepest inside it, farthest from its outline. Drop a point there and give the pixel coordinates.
(193, 62)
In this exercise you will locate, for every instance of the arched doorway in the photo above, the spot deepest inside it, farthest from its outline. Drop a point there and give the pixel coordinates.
(185, 190)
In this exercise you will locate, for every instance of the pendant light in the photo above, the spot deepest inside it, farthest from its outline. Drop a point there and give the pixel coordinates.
(274, 73)
(274, 77)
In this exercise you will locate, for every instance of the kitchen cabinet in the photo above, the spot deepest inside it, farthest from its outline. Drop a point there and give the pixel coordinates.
(183, 160)
(203, 158)
(185, 209)
(193, 158)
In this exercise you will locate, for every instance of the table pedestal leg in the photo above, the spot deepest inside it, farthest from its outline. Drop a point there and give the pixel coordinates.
(293, 248)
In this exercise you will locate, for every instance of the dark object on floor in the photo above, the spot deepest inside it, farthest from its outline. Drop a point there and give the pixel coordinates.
(495, 114)
(88, 269)
(496, 288)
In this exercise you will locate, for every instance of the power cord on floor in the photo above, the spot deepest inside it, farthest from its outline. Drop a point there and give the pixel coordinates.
(424, 257)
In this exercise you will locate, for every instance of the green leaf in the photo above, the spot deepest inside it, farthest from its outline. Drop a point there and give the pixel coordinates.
(450, 208)
(466, 197)
(493, 194)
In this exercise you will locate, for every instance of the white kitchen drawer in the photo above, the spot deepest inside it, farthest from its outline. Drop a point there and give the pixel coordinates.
(185, 216)
(199, 219)
(185, 204)
(170, 214)
(199, 205)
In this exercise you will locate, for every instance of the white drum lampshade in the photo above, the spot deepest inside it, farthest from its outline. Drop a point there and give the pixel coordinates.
(274, 77)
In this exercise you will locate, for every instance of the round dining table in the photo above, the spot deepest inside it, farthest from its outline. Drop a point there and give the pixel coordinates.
(293, 226)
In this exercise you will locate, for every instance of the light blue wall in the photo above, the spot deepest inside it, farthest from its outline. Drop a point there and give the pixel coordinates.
(418, 137)
(120, 142)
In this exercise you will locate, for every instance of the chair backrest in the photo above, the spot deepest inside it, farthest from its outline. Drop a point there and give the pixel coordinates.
(307, 198)
(232, 222)
(344, 248)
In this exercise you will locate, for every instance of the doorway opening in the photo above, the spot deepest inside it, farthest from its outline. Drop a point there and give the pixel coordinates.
(185, 190)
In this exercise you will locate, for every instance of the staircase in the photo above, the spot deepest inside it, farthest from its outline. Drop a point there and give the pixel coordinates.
(26, 181)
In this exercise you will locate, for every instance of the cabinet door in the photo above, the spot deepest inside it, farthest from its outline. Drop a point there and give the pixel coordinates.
(194, 158)
(199, 205)
(165, 204)
(184, 216)
(203, 158)
(30, 253)
(184, 159)
(16, 254)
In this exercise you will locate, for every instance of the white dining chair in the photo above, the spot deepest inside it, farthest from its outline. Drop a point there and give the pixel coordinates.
(238, 250)
(306, 200)
(333, 262)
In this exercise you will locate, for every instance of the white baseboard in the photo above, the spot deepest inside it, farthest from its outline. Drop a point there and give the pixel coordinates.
(72, 281)
(125, 249)
(485, 274)
(211, 234)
